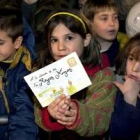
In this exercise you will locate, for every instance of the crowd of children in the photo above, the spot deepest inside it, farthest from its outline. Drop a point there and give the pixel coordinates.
(34, 35)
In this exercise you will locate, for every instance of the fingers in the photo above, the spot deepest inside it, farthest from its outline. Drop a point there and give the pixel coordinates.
(65, 105)
(69, 115)
(54, 107)
(139, 95)
(73, 106)
(125, 77)
(117, 84)
(67, 119)
(57, 101)
(71, 121)
(63, 110)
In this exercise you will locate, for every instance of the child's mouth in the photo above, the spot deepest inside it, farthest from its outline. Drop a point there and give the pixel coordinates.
(112, 32)
(134, 78)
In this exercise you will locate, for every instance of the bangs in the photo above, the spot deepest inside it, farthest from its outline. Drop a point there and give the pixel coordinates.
(136, 52)
(106, 8)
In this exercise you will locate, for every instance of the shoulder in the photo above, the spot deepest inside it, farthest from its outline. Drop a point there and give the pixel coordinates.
(105, 74)
(22, 63)
(122, 39)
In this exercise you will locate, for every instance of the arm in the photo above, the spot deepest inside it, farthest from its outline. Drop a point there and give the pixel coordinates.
(125, 121)
(127, 111)
(46, 117)
(93, 116)
(21, 118)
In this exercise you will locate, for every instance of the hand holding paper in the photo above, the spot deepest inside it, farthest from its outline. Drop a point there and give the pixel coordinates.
(57, 108)
(69, 115)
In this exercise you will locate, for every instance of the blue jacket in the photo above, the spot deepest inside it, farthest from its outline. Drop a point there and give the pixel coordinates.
(125, 121)
(21, 118)
(113, 52)
(116, 47)
(21, 122)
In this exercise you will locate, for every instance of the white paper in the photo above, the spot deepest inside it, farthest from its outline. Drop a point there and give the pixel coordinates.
(65, 76)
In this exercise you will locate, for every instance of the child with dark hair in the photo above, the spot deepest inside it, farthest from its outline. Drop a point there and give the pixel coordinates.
(125, 121)
(15, 63)
(36, 11)
(87, 113)
(103, 15)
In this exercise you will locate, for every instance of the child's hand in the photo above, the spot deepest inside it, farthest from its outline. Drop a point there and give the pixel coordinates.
(70, 114)
(56, 105)
(130, 89)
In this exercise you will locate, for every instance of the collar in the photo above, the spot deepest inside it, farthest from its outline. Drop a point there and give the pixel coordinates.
(21, 55)
(92, 70)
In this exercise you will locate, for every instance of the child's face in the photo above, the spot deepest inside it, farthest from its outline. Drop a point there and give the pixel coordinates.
(7, 47)
(105, 24)
(81, 4)
(133, 68)
(64, 42)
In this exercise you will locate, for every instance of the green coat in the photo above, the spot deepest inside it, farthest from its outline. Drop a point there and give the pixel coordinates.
(95, 109)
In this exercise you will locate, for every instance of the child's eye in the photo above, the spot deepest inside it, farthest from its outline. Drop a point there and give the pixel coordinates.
(116, 17)
(104, 18)
(131, 58)
(1, 43)
(53, 40)
(68, 38)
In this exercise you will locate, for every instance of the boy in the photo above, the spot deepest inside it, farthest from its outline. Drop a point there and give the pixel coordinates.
(103, 15)
(15, 63)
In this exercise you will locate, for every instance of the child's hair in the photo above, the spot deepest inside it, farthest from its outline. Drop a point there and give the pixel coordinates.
(92, 7)
(11, 22)
(76, 23)
(132, 46)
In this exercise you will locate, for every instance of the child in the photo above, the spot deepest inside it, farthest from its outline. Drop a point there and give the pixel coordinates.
(66, 32)
(35, 13)
(103, 15)
(125, 122)
(81, 4)
(15, 63)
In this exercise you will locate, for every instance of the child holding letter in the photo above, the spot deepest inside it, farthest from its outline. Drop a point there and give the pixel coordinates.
(88, 112)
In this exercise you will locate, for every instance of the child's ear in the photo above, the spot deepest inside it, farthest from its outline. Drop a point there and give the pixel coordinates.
(87, 40)
(18, 42)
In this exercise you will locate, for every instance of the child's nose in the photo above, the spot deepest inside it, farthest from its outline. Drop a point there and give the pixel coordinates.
(136, 67)
(112, 21)
(61, 46)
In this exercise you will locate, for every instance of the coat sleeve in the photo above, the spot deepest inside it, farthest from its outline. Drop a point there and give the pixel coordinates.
(21, 118)
(44, 120)
(125, 121)
(95, 113)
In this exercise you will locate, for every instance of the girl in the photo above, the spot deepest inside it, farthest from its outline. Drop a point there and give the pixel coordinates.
(125, 122)
(88, 112)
